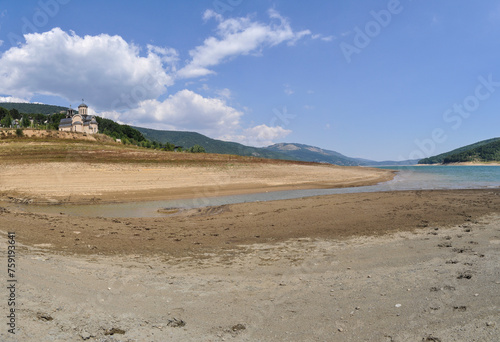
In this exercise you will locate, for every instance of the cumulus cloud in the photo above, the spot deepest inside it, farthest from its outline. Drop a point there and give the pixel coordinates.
(185, 110)
(259, 136)
(189, 111)
(12, 99)
(237, 36)
(103, 68)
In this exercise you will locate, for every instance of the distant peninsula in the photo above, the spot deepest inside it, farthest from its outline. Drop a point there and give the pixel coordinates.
(486, 151)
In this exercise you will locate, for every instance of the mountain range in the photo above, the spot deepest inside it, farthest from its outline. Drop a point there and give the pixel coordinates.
(292, 151)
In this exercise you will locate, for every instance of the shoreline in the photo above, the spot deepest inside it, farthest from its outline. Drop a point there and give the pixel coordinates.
(136, 183)
(216, 229)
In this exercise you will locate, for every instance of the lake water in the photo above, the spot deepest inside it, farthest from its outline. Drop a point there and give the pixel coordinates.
(408, 178)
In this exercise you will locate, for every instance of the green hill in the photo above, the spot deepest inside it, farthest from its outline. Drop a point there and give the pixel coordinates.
(313, 154)
(319, 155)
(483, 151)
(189, 139)
(33, 108)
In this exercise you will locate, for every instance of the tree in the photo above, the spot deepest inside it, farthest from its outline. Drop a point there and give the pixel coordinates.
(6, 121)
(55, 119)
(25, 122)
(3, 113)
(169, 147)
(14, 113)
(197, 149)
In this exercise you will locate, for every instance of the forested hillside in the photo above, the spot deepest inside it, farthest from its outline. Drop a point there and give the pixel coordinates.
(189, 139)
(466, 153)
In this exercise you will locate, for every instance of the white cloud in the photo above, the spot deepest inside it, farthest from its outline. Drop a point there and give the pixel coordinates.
(185, 110)
(104, 69)
(12, 99)
(224, 93)
(1, 42)
(170, 56)
(189, 111)
(288, 90)
(238, 36)
(323, 38)
(259, 136)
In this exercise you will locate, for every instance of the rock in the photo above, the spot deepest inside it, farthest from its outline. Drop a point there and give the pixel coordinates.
(431, 338)
(44, 317)
(113, 331)
(176, 323)
(85, 335)
(238, 327)
(490, 324)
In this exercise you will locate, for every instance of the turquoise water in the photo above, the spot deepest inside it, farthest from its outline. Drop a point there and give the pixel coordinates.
(445, 177)
(408, 178)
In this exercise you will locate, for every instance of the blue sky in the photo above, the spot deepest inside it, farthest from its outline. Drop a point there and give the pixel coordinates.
(372, 79)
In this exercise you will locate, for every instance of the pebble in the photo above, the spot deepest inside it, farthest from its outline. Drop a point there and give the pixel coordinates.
(340, 329)
(85, 335)
(490, 324)
(398, 305)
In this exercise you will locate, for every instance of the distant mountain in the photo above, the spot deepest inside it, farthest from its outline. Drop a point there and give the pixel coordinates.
(189, 139)
(483, 151)
(313, 154)
(33, 108)
(366, 162)
(319, 155)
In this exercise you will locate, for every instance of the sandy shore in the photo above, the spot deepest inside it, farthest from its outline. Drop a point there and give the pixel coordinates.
(400, 266)
(79, 182)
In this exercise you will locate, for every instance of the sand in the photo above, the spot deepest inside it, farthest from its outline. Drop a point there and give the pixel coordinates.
(79, 182)
(396, 266)
(392, 266)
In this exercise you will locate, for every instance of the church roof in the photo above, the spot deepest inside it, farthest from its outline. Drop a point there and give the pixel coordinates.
(83, 105)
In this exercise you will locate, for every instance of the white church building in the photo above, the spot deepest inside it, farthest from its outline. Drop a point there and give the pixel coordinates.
(79, 121)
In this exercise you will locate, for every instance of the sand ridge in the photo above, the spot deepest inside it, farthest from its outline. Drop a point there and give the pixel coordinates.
(77, 182)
